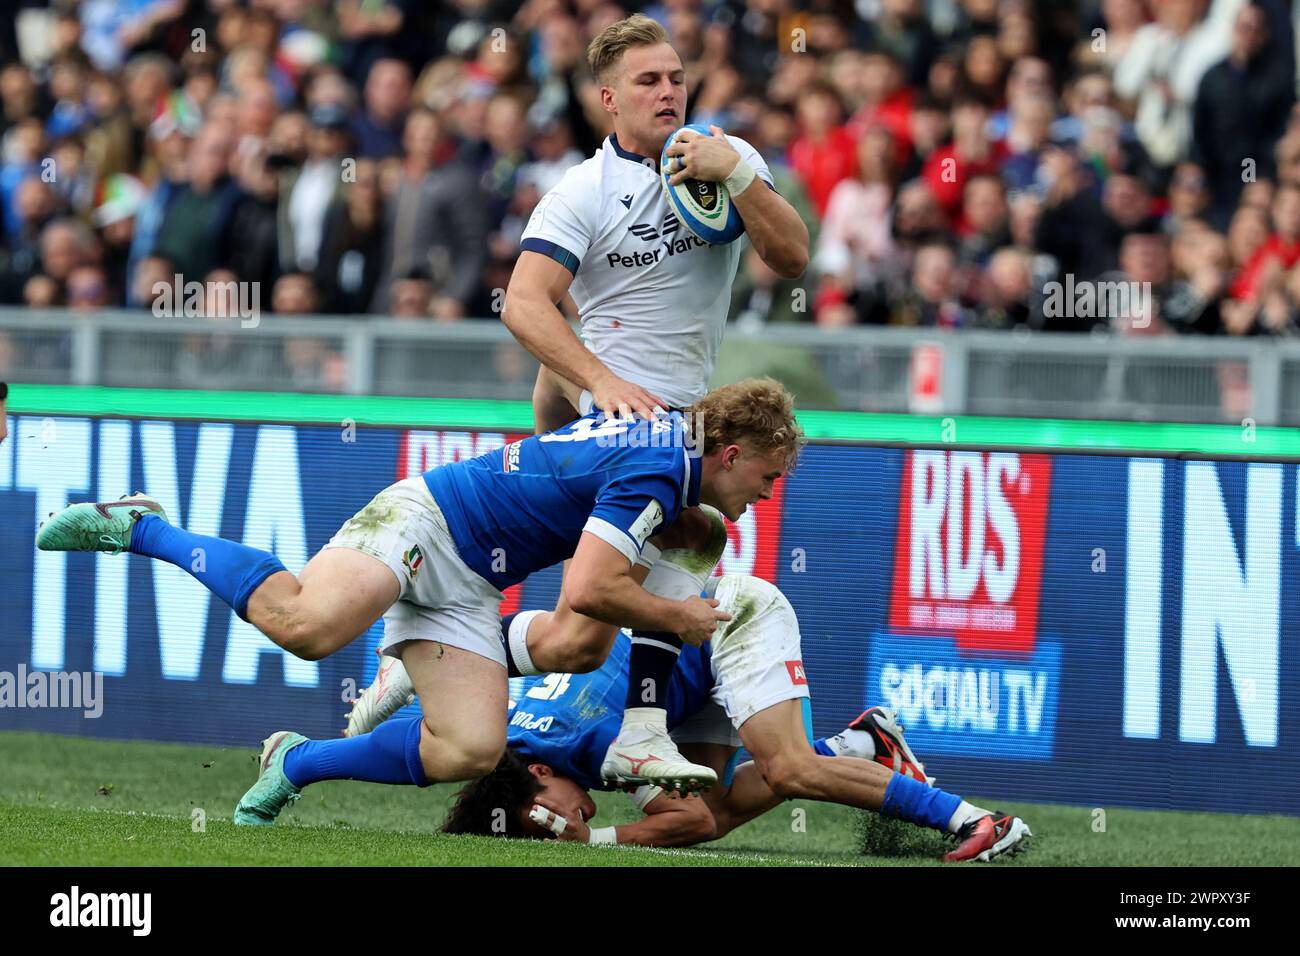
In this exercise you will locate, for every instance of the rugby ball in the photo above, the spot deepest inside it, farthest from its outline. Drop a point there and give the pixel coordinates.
(705, 209)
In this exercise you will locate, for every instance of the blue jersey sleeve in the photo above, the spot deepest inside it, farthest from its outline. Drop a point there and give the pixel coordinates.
(631, 508)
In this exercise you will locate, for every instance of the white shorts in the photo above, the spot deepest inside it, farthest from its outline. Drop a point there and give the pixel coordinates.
(757, 655)
(442, 599)
(757, 662)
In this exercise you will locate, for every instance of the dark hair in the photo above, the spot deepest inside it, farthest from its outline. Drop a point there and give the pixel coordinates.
(4, 391)
(493, 804)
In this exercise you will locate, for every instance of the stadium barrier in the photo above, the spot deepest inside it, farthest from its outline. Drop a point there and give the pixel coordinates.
(1144, 378)
(1054, 620)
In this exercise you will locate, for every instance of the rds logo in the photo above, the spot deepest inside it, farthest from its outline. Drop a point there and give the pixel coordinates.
(961, 661)
(969, 553)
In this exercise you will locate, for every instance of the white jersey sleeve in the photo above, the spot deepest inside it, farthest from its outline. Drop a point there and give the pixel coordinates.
(562, 224)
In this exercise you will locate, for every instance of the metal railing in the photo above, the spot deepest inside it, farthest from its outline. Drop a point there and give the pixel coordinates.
(1170, 378)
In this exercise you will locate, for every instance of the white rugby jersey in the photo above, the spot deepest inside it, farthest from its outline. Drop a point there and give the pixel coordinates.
(653, 299)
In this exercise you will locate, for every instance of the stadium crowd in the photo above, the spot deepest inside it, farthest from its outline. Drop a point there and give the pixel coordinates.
(953, 158)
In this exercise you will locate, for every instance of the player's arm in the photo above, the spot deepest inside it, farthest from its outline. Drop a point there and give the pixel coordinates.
(599, 584)
(531, 313)
(670, 820)
(776, 230)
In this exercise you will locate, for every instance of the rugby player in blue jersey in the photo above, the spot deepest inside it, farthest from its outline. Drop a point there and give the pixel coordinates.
(745, 686)
(432, 553)
(652, 300)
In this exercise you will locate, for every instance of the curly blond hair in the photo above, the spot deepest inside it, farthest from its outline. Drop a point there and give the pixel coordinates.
(608, 46)
(756, 411)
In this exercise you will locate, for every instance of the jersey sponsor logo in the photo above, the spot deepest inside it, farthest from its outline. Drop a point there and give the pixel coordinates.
(645, 524)
(668, 245)
(969, 552)
(510, 456)
(648, 233)
(798, 675)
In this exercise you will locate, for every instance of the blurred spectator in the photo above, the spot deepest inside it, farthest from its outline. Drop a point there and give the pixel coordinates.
(120, 199)
(412, 295)
(307, 195)
(294, 294)
(824, 151)
(88, 289)
(353, 247)
(358, 144)
(1279, 252)
(377, 128)
(1242, 108)
(1163, 66)
(437, 220)
(933, 299)
(200, 213)
(971, 153)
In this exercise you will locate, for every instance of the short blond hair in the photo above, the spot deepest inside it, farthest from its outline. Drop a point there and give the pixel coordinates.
(613, 41)
(756, 411)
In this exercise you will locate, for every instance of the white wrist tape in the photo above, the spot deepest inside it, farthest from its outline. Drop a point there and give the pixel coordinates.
(740, 178)
(602, 835)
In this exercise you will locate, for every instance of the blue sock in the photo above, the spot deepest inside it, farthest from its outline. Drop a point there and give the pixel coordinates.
(820, 746)
(388, 754)
(230, 570)
(650, 668)
(917, 802)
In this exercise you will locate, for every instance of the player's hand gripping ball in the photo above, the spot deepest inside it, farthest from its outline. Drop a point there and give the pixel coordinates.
(704, 208)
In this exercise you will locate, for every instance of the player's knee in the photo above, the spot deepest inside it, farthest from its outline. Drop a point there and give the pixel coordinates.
(584, 659)
(306, 636)
(786, 774)
(471, 759)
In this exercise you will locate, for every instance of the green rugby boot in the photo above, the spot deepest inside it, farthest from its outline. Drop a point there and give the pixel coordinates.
(96, 526)
(265, 799)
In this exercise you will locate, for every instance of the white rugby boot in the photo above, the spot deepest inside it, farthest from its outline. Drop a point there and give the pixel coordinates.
(390, 692)
(643, 753)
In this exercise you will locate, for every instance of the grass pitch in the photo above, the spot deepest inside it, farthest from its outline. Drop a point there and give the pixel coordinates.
(67, 801)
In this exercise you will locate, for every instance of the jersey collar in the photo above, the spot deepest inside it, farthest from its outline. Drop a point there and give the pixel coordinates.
(637, 158)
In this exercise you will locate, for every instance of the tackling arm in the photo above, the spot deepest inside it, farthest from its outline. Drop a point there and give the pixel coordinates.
(599, 584)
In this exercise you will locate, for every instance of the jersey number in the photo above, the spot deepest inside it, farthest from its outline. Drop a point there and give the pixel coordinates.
(551, 687)
(585, 428)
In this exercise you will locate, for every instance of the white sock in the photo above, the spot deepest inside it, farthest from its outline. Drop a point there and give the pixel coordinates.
(654, 717)
(517, 640)
(853, 743)
(964, 814)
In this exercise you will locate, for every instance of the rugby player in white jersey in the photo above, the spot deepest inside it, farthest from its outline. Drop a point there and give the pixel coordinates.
(653, 302)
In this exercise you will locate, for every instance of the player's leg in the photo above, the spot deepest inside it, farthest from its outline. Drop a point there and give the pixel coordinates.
(566, 642)
(643, 752)
(334, 599)
(461, 735)
(445, 629)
